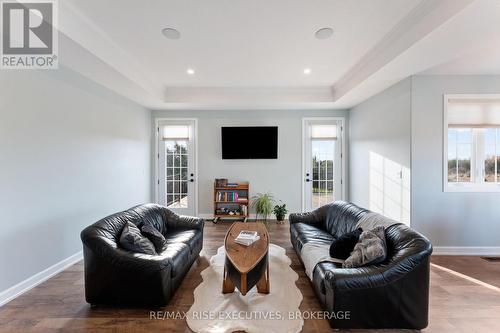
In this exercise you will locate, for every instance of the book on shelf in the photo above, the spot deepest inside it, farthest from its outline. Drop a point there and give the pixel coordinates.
(227, 196)
(247, 237)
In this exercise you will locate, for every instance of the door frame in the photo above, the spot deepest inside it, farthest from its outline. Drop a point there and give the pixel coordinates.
(156, 157)
(343, 155)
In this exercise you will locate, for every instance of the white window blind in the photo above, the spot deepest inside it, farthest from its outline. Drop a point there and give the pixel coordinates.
(175, 132)
(474, 113)
(324, 132)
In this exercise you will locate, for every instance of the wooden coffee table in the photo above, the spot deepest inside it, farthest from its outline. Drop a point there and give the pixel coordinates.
(246, 266)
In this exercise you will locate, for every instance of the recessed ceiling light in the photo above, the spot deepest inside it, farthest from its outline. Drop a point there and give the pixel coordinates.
(307, 71)
(324, 33)
(171, 33)
(190, 71)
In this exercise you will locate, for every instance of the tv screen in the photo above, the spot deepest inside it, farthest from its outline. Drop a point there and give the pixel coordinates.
(250, 142)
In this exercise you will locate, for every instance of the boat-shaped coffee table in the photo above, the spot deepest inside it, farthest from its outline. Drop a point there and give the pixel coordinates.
(246, 266)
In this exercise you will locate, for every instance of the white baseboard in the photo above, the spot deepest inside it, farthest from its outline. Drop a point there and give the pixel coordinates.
(31, 282)
(466, 251)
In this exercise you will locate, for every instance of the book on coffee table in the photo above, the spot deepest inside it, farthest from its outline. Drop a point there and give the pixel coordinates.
(247, 237)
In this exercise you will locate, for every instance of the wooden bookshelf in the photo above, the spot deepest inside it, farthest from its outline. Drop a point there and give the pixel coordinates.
(234, 199)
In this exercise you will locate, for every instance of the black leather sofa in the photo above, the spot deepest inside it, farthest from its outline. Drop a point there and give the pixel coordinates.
(116, 276)
(393, 294)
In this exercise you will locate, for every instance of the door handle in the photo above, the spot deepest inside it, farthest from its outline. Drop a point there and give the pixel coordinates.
(308, 180)
(191, 180)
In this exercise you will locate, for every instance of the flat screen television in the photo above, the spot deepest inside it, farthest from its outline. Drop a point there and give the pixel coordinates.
(249, 142)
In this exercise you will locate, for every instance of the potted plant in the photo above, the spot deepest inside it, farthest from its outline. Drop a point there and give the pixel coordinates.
(280, 212)
(263, 204)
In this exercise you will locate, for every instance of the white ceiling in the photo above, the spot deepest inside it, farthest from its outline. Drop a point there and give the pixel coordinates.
(253, 53)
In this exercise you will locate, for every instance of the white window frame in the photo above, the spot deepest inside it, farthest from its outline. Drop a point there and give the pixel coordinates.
(344, 157)
(477, 158)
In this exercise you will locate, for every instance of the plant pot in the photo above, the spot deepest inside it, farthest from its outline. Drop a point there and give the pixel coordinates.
(280, 218)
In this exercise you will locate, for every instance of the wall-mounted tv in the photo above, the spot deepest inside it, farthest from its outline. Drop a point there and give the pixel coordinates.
(249, 142)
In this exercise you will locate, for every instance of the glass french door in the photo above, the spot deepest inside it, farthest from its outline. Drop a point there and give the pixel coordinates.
(322, 163)
(176, 165)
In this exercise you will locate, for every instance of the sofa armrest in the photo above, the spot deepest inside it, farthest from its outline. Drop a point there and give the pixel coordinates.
(315, 218)
(380, 275)
(175, 221)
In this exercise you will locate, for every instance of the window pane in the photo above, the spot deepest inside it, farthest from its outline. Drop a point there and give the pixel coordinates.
(464, 135)
(464, 152)
(183, 201)
(315, 174)
(329, 192)
(322, 170)
(459, 154)
(498, 168)
(170, 160)
(490, 155)
(452, 155)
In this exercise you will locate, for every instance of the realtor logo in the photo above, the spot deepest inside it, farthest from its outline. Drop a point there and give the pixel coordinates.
(29, 34)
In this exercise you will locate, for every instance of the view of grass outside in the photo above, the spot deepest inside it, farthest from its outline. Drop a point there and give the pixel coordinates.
(323, 172)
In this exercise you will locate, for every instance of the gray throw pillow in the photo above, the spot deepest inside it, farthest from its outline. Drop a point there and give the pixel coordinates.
(371, 249)
(132, 240)
(154, 236)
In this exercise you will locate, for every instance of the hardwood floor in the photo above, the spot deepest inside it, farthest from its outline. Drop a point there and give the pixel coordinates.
(457, 303)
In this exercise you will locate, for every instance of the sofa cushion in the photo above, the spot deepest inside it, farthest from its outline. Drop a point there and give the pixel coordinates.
(342, 247)
(154, 236)
(304, 233)
(189, 237)
(370, 250)
(132, 240)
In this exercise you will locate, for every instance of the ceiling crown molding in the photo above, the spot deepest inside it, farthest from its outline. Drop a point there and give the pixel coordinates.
(81, 30)
(248, 97)
(420, 21)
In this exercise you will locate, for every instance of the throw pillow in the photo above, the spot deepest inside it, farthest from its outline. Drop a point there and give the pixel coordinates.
(132, 240)
(371, 249)
(342, 247)
(154, 236)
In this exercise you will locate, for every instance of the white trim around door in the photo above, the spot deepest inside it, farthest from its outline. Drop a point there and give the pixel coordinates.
(156, 157)
(343, 154)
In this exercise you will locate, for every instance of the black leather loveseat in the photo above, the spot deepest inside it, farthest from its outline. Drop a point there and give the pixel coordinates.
(393, 294)
(116, 276)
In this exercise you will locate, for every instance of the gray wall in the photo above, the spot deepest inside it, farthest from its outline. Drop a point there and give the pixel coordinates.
(448, 219)
(71, 153)
(379, 152)
(281, 177)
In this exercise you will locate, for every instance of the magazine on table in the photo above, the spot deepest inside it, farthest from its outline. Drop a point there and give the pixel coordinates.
(247, 237)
